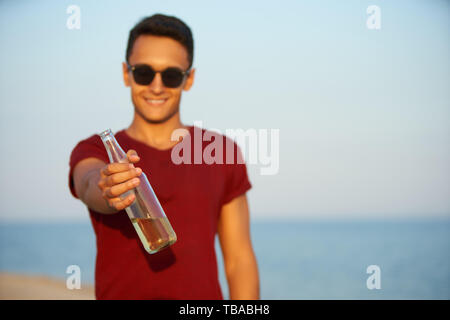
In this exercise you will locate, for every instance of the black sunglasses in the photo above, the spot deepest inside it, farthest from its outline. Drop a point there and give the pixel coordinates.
(144, 74)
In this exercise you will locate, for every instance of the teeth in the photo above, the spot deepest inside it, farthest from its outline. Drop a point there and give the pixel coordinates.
(155, 101)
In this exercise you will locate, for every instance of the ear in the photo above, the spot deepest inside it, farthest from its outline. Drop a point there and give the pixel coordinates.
(126, 75)
(189, 80)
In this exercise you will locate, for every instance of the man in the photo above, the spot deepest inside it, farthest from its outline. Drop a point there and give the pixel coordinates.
(200, 200)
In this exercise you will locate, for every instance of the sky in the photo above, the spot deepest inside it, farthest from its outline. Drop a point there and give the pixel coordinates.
(363, 115)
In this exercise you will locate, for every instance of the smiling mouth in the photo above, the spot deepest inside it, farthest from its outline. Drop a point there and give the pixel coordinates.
(155, 102)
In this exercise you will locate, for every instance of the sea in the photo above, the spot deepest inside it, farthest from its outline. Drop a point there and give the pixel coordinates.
(401, 259)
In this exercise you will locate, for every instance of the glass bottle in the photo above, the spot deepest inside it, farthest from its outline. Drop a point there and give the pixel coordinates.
(146, 213)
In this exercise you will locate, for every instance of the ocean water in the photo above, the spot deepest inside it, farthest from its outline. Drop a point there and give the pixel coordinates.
(296, 259)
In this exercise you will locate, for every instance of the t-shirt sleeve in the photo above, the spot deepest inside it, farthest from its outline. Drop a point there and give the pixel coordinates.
(91, 147)
(237, 181)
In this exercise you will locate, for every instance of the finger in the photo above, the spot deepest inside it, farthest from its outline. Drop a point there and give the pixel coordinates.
(132, 152)
(132, 156)
(122, 204)
(121, 188)
(120, 177)
(115, 167)
(101, 183)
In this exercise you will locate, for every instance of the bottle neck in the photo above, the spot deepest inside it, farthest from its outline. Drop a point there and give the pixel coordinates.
(115, 152)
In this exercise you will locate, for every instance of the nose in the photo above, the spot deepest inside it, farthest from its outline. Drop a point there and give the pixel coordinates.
(156, 86)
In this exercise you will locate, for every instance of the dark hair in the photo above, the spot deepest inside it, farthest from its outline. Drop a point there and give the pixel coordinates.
(162, 25)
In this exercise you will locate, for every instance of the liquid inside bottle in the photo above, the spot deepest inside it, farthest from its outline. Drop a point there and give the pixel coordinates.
(153, 234)
(153, 229)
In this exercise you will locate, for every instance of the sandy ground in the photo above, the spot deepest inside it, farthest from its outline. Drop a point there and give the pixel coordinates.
(25, 287)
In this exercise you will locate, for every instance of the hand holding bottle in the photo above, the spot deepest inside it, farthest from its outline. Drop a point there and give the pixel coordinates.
(117, 179)
(127, 187)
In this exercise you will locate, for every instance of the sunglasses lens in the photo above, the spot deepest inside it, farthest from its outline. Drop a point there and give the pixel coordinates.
(143, 75)
(172, 77)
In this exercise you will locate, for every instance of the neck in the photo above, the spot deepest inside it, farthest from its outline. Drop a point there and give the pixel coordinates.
(157, 135)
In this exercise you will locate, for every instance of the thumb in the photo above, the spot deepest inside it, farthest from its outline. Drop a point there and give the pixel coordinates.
(132, 156)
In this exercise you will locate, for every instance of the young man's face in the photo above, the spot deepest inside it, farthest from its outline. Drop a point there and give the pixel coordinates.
(155, 102)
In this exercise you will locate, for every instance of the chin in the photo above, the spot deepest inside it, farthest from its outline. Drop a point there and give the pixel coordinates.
(151, 117)
(155, 119)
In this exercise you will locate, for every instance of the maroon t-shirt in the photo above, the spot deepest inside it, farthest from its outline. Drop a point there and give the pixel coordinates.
(192, 196)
